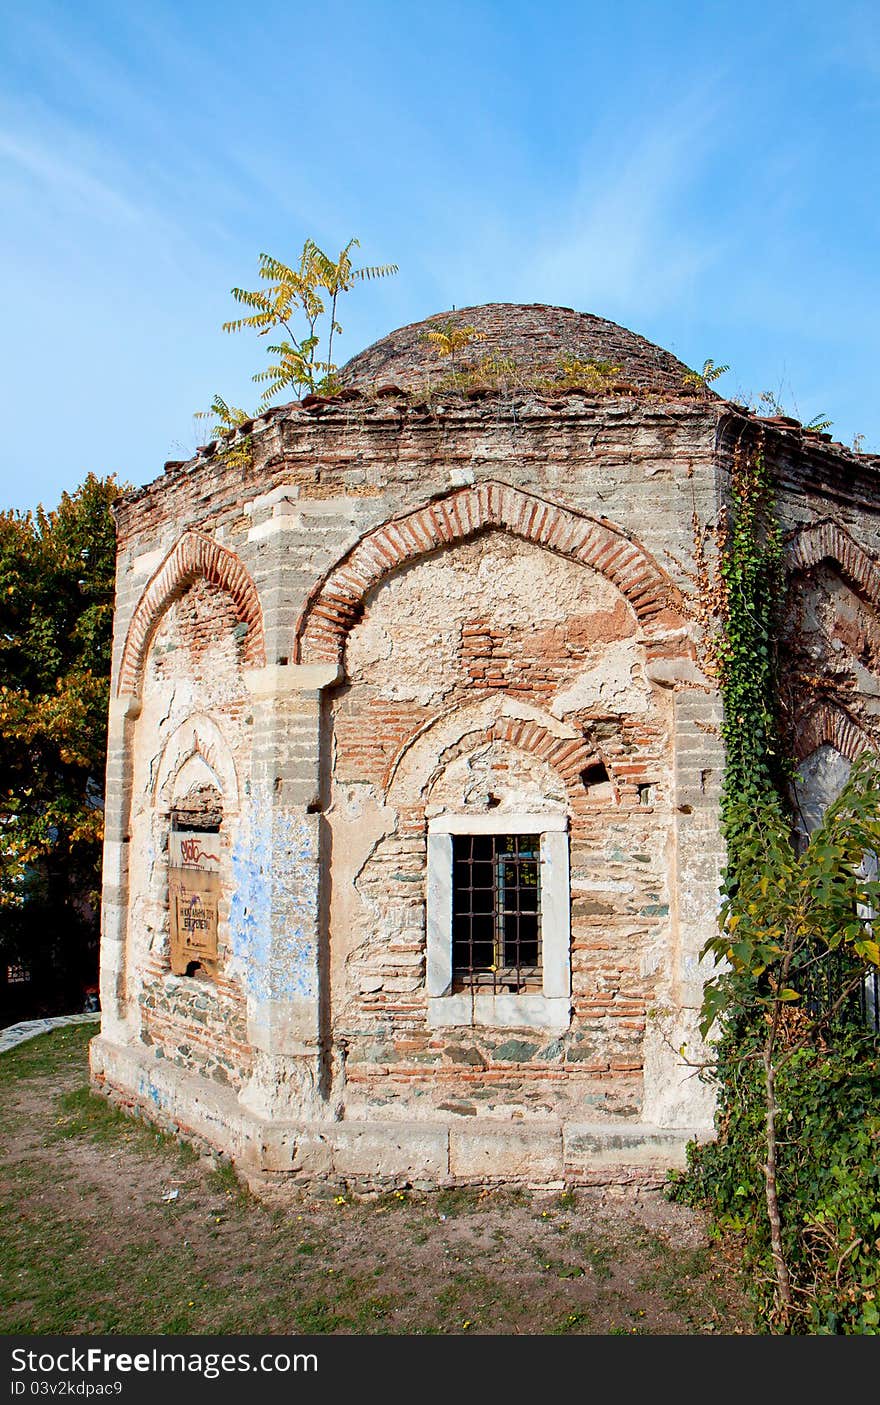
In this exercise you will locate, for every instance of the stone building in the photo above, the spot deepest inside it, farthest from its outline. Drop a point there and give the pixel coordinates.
(412, 831)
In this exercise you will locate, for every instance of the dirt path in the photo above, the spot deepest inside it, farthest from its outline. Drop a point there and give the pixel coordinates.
(108, 1226)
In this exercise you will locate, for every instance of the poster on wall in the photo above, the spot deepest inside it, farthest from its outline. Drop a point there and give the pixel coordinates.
(193, 898)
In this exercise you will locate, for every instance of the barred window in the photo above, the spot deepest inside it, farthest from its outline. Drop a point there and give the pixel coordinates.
(496, 912)
(499, 921)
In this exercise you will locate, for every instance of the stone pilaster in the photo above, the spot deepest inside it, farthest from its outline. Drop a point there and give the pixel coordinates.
(674, 1095)
(276, 915)
(116, 1016)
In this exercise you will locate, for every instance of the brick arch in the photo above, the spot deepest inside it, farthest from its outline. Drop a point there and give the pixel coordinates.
(826, 541)
(834, 726)
(337, 601)
(470, 727)
(194, 556)
(568, 757)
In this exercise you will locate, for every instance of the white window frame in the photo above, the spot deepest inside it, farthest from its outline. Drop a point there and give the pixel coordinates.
(548, 1009)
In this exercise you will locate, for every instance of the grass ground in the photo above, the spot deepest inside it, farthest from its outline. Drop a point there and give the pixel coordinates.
(93, 1239)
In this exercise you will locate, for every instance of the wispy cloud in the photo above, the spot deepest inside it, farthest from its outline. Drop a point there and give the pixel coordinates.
(60, 170)
(624, 237)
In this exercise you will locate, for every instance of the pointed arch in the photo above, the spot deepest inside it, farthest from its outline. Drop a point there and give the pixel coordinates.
(826, 723)
(826, 541)
(337, 600)
(199, 736)
(194, 555)
(568, 758)
(424, 756)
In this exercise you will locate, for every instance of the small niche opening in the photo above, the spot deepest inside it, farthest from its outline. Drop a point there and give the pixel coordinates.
(192, 967)
(647, 794)
(597, 782)
(595, 774)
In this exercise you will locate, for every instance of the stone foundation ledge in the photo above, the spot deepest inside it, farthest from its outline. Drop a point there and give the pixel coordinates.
(429, 1153)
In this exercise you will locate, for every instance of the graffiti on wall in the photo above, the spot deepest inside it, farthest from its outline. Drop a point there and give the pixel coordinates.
(273, 916)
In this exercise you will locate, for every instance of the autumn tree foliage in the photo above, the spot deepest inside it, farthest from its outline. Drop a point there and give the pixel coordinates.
(56, 607)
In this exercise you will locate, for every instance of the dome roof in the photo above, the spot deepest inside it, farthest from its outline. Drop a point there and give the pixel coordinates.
(534, 336)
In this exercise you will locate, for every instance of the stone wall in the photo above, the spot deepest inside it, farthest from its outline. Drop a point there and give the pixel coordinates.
(193, 730)
(505, 656)
(459, 664)
(829, 507)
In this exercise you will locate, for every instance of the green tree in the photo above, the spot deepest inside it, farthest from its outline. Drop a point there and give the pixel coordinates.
(588, 374)
(227, 419)
(56, 606)
(796, 946)
(295, 295)
(700, 380)
(794, 1060)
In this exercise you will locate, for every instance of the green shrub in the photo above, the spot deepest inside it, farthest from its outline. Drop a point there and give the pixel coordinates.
(828, 1102)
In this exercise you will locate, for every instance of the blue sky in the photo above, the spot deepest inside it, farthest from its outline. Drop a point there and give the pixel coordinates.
(706, 174)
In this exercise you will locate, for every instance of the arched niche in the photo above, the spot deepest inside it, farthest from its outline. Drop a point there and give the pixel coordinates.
(197, 747)
(194, 557)
(338, 599)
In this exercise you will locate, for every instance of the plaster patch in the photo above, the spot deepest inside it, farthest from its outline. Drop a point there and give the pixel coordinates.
(524, 592)
(614, 682)
(821, 777)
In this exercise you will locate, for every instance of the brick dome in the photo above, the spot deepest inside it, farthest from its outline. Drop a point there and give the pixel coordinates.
(536, 337)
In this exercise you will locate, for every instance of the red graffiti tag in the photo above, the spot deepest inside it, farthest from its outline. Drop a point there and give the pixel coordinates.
(191, 851)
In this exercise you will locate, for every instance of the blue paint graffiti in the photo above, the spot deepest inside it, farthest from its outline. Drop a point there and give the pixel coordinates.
(274, 906)
(147, 1088)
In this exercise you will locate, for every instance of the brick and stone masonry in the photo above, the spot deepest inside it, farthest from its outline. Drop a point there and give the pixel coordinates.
(420, 609)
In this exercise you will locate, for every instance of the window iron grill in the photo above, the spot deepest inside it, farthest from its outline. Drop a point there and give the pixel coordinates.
(496, 913)
(827, 981)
